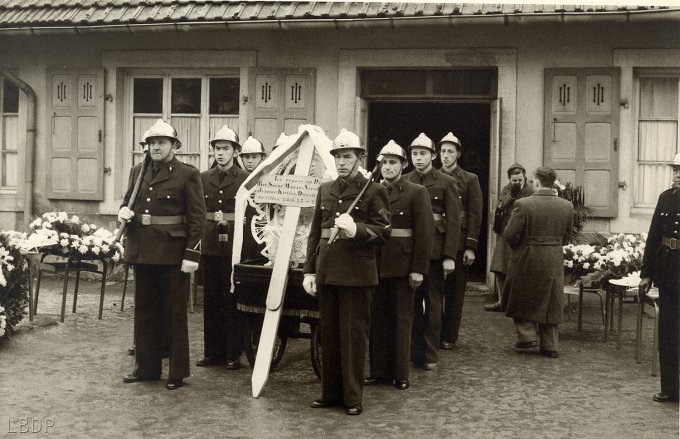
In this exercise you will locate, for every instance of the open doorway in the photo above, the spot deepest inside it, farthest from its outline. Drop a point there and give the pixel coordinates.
(470, 122)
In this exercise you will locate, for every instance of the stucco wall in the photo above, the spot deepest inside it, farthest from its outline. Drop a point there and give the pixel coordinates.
(536, 46)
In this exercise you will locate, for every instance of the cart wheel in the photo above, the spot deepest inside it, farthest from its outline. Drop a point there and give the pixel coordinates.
(316, 348)
(251, 332)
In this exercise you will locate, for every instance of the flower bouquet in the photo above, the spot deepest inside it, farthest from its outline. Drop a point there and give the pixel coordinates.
(58, 234)
(13, 282)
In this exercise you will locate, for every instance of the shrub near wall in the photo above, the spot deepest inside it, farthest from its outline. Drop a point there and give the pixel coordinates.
(13, 284)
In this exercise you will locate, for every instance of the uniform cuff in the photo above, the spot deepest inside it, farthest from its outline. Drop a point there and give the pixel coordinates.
(192, 255)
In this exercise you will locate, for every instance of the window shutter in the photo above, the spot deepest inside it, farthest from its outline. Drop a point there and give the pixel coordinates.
(75, 141)
(581, 130)
(280, 100)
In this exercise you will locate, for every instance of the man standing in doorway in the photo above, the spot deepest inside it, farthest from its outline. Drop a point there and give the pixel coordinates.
(538, 228)
(404, 261)
(164, 247)
(427, 321)
(661, 264)
(470, 193)
(344, 273)
(221, 322)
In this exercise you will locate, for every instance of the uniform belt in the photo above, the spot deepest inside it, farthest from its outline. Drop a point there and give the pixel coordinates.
(402, 233)
(220, 216)
(437, 216)
(146, 220)
(671, 243)
(544, 240)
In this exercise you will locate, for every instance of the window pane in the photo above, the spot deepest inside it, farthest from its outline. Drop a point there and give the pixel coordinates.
(186, 96)
(464, 82)
(148, 95)
(653, 179)
(659, 98)
(393, 82)
(9, 169)
(658, 140)
(224, 93)
(10, 98)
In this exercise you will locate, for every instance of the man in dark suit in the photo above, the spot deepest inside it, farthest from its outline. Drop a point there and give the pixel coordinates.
(164, 247)
(470, 193)
(221, 322)
(345, 273)
(427, 322)
(404, 261)
(661, 264)
(539, 226)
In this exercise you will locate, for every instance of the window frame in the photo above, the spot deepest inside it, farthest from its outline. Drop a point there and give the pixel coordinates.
(8, 190)
(168, 75)
(638, 74)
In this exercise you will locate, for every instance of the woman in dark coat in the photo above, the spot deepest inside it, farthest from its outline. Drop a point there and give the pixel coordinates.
(517, 188)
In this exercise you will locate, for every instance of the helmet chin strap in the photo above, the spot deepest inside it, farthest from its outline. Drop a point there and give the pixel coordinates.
(354, 168)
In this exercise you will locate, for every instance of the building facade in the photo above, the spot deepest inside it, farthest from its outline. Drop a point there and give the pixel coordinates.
(590, 92)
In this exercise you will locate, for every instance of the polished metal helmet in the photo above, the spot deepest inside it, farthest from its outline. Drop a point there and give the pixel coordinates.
(280, 141)
(226, 134)
(252, 146)
(392, 148)
(162, 129)
(450, 138)
(422, 141)
(347, 140)
(676, 160)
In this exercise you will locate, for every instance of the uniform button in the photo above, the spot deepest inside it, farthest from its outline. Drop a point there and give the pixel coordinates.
(436, 198)
(401, 213)
(146, 210)
(221, 192)
(219, 201)
(148, 199)
(337, 213)
(340, 201)
(150, 188)
(206, 196)
(168, 196)
(170, 168)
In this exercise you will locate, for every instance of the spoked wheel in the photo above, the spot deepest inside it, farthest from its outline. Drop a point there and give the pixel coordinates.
(251, 337)
(316, 348)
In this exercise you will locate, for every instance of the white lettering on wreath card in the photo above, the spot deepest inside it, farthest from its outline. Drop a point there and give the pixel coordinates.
(287, 190)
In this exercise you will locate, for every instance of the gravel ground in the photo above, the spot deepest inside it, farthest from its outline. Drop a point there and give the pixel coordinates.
(68, 378)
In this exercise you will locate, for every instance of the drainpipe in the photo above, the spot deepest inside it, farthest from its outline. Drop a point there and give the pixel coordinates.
(30, 142)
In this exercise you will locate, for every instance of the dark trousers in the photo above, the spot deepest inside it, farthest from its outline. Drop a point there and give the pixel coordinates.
(391, 322)
(454, 295)
(222, 322)
(427, 319)
(669, 311)
(345, 314)
(161, 292)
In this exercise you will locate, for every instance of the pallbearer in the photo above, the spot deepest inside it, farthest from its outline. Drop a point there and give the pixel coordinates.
(470, 193)
(221, 323)
(427, 321)
(163, 246)
(403, 262)
(344, 274)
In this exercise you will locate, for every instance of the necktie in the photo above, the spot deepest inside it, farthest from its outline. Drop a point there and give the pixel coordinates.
(155, 169)
(221, 175)
(343, 185)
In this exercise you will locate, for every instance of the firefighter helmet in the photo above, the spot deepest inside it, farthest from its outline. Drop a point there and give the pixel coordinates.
(676, 160)
(347, 140)
(422, 141)
(252, 146)
(450, 138)
(392, 148)
(162, 129)
(226, 134)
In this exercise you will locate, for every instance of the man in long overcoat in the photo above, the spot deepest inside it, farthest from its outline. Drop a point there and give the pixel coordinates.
(164, 247)
(538, 228)
(661, 264)
(345, 271)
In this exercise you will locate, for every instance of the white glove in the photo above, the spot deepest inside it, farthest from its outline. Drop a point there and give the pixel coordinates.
(415, 279)
(346, 223)
(309, 284)
(125, 214)
(448, 265)
(189, 266)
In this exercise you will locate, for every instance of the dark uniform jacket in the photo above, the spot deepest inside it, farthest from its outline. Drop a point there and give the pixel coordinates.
(446, 206)
(220, 196)
(348, 261)
(470, 193)
(539, 225)
(175, 191)
(411, 210)
(659, 262)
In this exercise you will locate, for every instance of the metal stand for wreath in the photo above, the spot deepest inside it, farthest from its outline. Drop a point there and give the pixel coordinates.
(59, 267)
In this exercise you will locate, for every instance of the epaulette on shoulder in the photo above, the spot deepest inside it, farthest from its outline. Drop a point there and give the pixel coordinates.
(189, 165)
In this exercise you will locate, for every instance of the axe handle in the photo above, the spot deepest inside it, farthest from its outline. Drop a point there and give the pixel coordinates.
(334, 231)
(133, 196)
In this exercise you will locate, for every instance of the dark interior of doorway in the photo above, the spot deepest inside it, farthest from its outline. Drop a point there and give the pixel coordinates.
(470, 122)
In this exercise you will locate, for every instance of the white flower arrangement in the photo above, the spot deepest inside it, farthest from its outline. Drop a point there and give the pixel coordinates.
(3, 321)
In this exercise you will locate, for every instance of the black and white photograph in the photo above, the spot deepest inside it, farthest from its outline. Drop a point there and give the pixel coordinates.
(264, 219)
